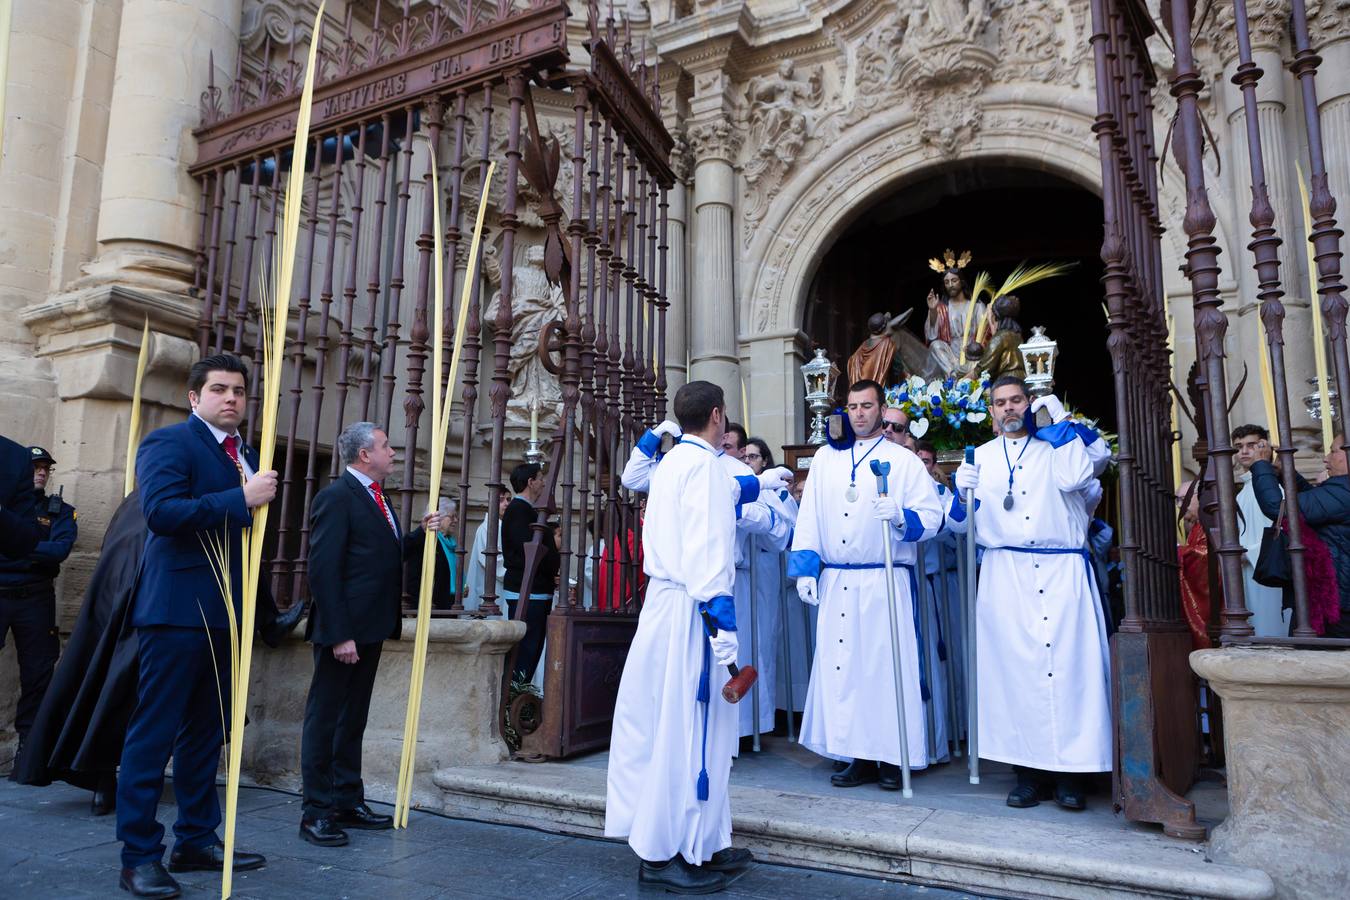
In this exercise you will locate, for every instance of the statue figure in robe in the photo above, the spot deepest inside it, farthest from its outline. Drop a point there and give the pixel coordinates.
(875, 357)
(535, 304)
(1001, 356)
(945, 329)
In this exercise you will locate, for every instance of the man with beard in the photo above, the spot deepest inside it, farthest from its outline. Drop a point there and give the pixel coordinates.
(838, 558)
(1043, 677)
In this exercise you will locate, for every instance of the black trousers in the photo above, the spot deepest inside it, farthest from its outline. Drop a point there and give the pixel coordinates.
(30, 612)
(335, 723)
(532, 644)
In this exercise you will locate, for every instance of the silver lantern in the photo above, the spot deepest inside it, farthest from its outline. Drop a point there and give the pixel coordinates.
(1038, 358)
(819, 376)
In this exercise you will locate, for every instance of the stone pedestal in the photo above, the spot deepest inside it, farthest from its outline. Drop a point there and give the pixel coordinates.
(462, 688)
(1287, 736)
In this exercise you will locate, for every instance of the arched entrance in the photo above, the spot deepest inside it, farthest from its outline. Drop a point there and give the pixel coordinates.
(1003, 214)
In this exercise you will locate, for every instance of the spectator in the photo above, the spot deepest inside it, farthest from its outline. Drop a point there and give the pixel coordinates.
(1252, 442)
(527, 480)
(1326, 509)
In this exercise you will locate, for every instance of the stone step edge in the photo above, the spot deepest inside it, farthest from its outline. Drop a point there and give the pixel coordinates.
(486, 794)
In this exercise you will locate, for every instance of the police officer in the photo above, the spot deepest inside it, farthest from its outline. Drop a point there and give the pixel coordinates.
(28, 594)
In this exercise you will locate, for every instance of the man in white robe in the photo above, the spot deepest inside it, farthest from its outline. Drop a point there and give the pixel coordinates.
(838, 558)
(1042, 660)
(763, 518)
(1269, 618)
(674, 734)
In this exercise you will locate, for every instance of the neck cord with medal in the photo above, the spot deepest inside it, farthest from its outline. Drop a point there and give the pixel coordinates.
(851, 495)
(1008, 500)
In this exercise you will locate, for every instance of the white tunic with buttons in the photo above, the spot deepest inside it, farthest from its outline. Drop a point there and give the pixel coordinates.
(850, 702)
(1042, 660)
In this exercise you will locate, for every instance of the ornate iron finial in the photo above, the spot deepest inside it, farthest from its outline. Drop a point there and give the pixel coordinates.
(593, 19)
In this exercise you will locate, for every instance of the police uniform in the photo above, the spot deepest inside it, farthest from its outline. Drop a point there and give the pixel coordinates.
(28, 597)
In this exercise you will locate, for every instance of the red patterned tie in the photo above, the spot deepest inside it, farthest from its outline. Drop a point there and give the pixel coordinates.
(379, 499)
(230, 443)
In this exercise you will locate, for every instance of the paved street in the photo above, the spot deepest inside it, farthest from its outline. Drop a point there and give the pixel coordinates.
(50, 847)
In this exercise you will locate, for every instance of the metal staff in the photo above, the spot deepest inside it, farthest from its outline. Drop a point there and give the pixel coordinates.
(787, 639)
(949, 665)
(754, 643)
(921, 639)
(881, 469)
(972, 584)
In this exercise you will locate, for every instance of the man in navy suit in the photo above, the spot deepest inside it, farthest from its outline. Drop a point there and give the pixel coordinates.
(356, 555)
(199, 484)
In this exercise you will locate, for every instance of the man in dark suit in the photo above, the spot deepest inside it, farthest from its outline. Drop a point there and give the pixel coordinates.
(356, 556)
(527, 480)
(198, 484)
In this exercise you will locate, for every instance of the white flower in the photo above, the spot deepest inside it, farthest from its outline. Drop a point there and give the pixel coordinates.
(918, 428)
(976, 417)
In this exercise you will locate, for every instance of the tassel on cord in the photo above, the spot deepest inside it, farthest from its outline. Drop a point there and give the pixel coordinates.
(704, 697)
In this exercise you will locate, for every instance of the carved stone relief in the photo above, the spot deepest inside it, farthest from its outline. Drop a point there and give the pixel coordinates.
(783, 108)
(1267, 20)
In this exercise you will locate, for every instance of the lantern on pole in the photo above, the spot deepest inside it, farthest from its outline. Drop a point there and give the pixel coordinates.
(1038, 359)
(819, 376)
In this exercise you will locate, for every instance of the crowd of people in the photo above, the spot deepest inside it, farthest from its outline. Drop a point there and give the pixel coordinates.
(844, 586)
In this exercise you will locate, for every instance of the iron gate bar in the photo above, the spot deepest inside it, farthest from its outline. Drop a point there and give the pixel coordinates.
(1266, 261)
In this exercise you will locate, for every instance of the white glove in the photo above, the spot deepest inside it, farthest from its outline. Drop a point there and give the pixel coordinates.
(724, 647)
(967, 477)
(1050, 403)
(806, 589)
(668, 427)
(886, 509)
(775, 479)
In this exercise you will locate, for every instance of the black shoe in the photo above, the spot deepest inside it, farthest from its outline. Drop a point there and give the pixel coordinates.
(1069, 794)
(323, 833)
(276, 631)
(362, 817)
(860, 771)
(1024, 796)
(149, 880)
(840, 765)
(888, 776)
(105, 799)
(211, 858)
(678, 877)
(732, 859)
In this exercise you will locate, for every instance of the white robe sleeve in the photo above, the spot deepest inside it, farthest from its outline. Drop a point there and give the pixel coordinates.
(805, 559)
(1072, 466)
(921, 511)
(637, 475)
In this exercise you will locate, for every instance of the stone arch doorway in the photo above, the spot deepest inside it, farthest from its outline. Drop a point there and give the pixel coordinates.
(1004, 214)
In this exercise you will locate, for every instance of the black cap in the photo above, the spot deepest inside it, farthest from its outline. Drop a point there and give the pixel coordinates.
(38, 455)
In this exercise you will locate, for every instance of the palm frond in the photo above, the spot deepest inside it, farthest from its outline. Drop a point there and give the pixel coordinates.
(134, 428)
(1025, 275)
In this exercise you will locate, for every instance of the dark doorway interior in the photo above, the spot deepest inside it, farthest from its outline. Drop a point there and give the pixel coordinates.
(1004, 216)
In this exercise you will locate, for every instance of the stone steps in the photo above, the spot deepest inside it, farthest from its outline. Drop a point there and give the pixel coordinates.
(904, 842)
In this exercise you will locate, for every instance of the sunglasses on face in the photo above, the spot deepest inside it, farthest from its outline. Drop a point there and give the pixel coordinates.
(894, 426)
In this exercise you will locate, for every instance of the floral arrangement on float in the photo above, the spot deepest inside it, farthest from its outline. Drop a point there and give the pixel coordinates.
(950, 413)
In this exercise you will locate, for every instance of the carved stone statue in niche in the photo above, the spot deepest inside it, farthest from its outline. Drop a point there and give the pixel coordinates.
(535, 303)
(778, 125)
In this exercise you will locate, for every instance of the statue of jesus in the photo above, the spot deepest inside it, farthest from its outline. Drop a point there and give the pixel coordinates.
(945, 329)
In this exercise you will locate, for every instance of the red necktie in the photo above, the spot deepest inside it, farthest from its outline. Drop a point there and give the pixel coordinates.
(230, 448)
(379, 499)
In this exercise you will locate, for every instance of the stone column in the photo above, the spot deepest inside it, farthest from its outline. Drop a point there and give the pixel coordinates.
(87, 333)
(1287, 739)
(148, 221)
(677, 292)
(713, 352)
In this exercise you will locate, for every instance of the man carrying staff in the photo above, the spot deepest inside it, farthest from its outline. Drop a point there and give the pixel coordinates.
(674, 734)
(838, 558)
(1042, 673)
